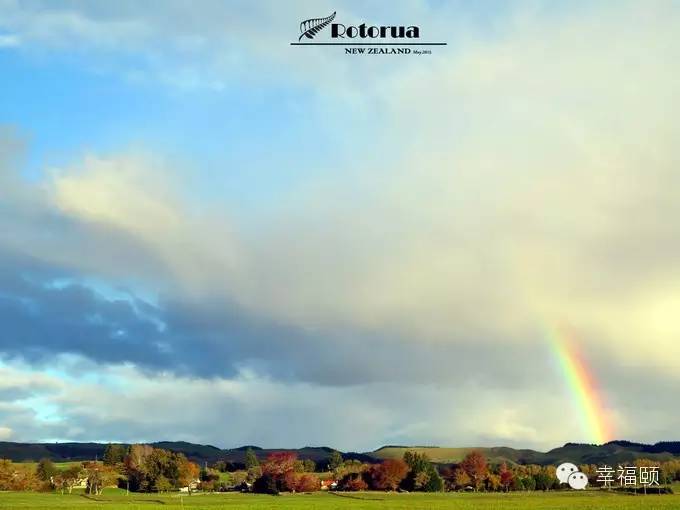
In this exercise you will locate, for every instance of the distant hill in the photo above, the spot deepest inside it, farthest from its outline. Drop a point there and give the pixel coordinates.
(496, 455)
(62, 452)
(612, 453)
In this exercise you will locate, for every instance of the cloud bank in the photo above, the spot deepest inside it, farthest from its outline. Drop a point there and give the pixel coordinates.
(523, 178)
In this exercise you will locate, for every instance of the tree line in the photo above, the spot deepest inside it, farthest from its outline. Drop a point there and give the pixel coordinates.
(139, 468)
(143, 468)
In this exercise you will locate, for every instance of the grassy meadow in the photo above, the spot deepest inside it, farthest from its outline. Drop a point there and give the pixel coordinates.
(563, 500)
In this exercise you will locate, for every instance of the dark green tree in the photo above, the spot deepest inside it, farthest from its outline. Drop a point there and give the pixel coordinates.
(266, 484)
(335, 460)
(114, 454)
(46, 470)
(251, 459)
(435, 483)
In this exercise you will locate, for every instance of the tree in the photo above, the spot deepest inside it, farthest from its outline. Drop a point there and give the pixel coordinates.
(435, 483)
(46, 470)
(422, 476)
(114, 454)
(309, 466)
(98, 477)
(493, 482)
(417, 462)
(251, 459)
(507, 478)
(266, 484)
(350, 467)
(252, 465)
(279, 467)
(210, 480)
(302, 482)
(162, 484)
(335, 460)
(187, 471)
(135, 467)
(17, 477)
(71, 476)
(59, 483)
(389, 474)
(278, 464)
(6, 474)
(461, 479)
(529, 483)
(543, 481)
(474, 464)
(144, 466)
(352, 482)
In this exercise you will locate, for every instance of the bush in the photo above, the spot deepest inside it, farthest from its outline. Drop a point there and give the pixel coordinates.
(266, 484)
(352, 482)
(307, 482)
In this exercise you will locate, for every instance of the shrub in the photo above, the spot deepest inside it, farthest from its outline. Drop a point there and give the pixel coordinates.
(266, 484)
(352, 482)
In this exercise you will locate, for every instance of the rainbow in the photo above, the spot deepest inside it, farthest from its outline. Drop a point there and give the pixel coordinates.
(582, 386)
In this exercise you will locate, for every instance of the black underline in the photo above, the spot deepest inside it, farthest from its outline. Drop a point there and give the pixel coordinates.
(367, 44)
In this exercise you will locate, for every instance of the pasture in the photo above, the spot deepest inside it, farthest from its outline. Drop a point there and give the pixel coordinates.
(114, 499)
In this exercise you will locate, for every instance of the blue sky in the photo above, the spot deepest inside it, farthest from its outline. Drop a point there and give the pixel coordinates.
(193, 208)
(63, 107)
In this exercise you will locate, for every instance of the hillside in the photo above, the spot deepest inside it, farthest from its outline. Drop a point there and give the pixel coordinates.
(454, 455)
(612, 453)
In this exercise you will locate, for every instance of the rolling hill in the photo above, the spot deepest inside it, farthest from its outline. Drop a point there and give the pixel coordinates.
(612, 453)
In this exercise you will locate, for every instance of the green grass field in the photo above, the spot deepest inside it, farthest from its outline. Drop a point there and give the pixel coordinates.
(114, 499)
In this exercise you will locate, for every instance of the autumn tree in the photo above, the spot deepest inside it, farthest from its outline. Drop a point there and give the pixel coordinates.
(66, 479)
(301, 482)
(71, 476)
(187, 471)
(389, 474)
(461, 479)
(493, 482)
(135, 467)
(144, 466)
(506, 476)
(15, 477)
(474, 464)
(279, 470)
(352, 482)
(98, 477)
(278, 464)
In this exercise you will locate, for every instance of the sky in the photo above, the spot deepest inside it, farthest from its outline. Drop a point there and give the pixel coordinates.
(210, 235)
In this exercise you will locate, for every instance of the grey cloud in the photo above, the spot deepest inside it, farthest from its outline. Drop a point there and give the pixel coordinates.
(215, 338)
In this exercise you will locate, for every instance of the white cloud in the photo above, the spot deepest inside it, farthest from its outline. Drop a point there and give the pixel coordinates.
(124, 404)
(9, 41)
(523, 179)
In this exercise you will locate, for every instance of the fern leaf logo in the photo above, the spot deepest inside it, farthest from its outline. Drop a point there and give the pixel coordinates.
(309, 28)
